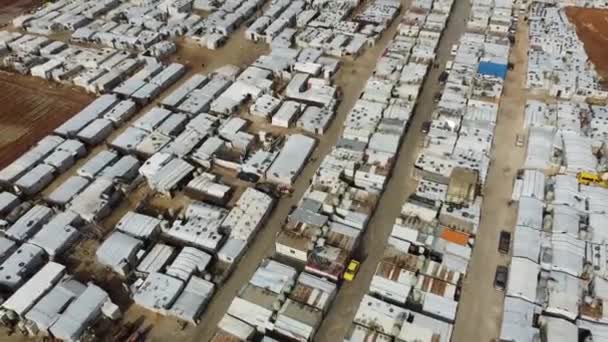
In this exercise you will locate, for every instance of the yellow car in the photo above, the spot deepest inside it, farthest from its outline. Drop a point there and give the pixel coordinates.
(351, 270)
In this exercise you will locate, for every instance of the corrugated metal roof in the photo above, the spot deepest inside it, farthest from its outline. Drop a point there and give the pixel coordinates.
(138, 225)
(189, 261)
(522, 283)
(118, 248)
(28, 224)
(193, 298)
(158, 292)
(46, 312)
(67, 190)
(97, 163)
(24, 261)
(28, 294)
(80, 313)
(156, 259)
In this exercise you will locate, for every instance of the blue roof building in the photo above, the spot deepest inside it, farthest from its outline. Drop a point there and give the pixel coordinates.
(492, 69)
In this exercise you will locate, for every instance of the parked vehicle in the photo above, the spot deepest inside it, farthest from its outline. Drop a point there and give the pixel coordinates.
(519, 140)
(351, 270)
(504, 242)
(591, 178)
(500, 279)
(426, 126)
(454, 50)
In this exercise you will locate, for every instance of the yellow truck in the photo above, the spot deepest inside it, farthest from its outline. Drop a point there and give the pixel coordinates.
(591, 178)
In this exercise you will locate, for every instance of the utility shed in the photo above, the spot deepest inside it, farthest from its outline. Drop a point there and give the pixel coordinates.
(463, 185)
(94, 165)
(124, 170)
(196, 102)
(184, 143)
(76, 148)
(250, 313)
(517, 320)
(523, 279)
(94, 202)
(313, 291)
(246, 217)
(189, 261)
(316, 119)
(205, 187)
(359, 333)
(531, 184)
(96, 131)
(8, 202)
(151, 119)
(154, 163)
(60, 160)
(122, 112)
(265, 106)
(175, 98)
(27, 295)
(28, 224)
(191, 301)
(21, 264)
(57, 235)
(119, 252)
(49, 308)
(170, 175)
(287, 114)
(231, 251)
(173, 125)
(139, 225)
(80, 313)
(156, 259)
(67, 190)
(379, 315)
(530, 213)
(91, 112)
(419, 327)
(291, 159)
(6, 248)
(158, 292)
(35, 180)
(128, 140)
(297, 321)
(234, 327)
(29, 159)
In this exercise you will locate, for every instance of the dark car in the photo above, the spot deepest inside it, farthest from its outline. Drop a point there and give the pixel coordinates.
(426, 126)
(500, 280)
(504, 242)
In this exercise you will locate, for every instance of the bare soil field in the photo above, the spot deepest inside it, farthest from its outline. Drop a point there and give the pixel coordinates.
(12, 8)
(592, 29)
(31, 108)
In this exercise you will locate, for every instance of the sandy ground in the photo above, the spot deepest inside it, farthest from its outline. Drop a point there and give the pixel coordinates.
(592, 29)
(32, 108)
(480, 309)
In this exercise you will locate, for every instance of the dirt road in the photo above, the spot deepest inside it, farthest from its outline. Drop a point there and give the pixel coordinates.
(400, 186)
(480, 309)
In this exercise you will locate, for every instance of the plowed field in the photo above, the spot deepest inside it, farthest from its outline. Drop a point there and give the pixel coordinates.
(592, 29)
(31, 108)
